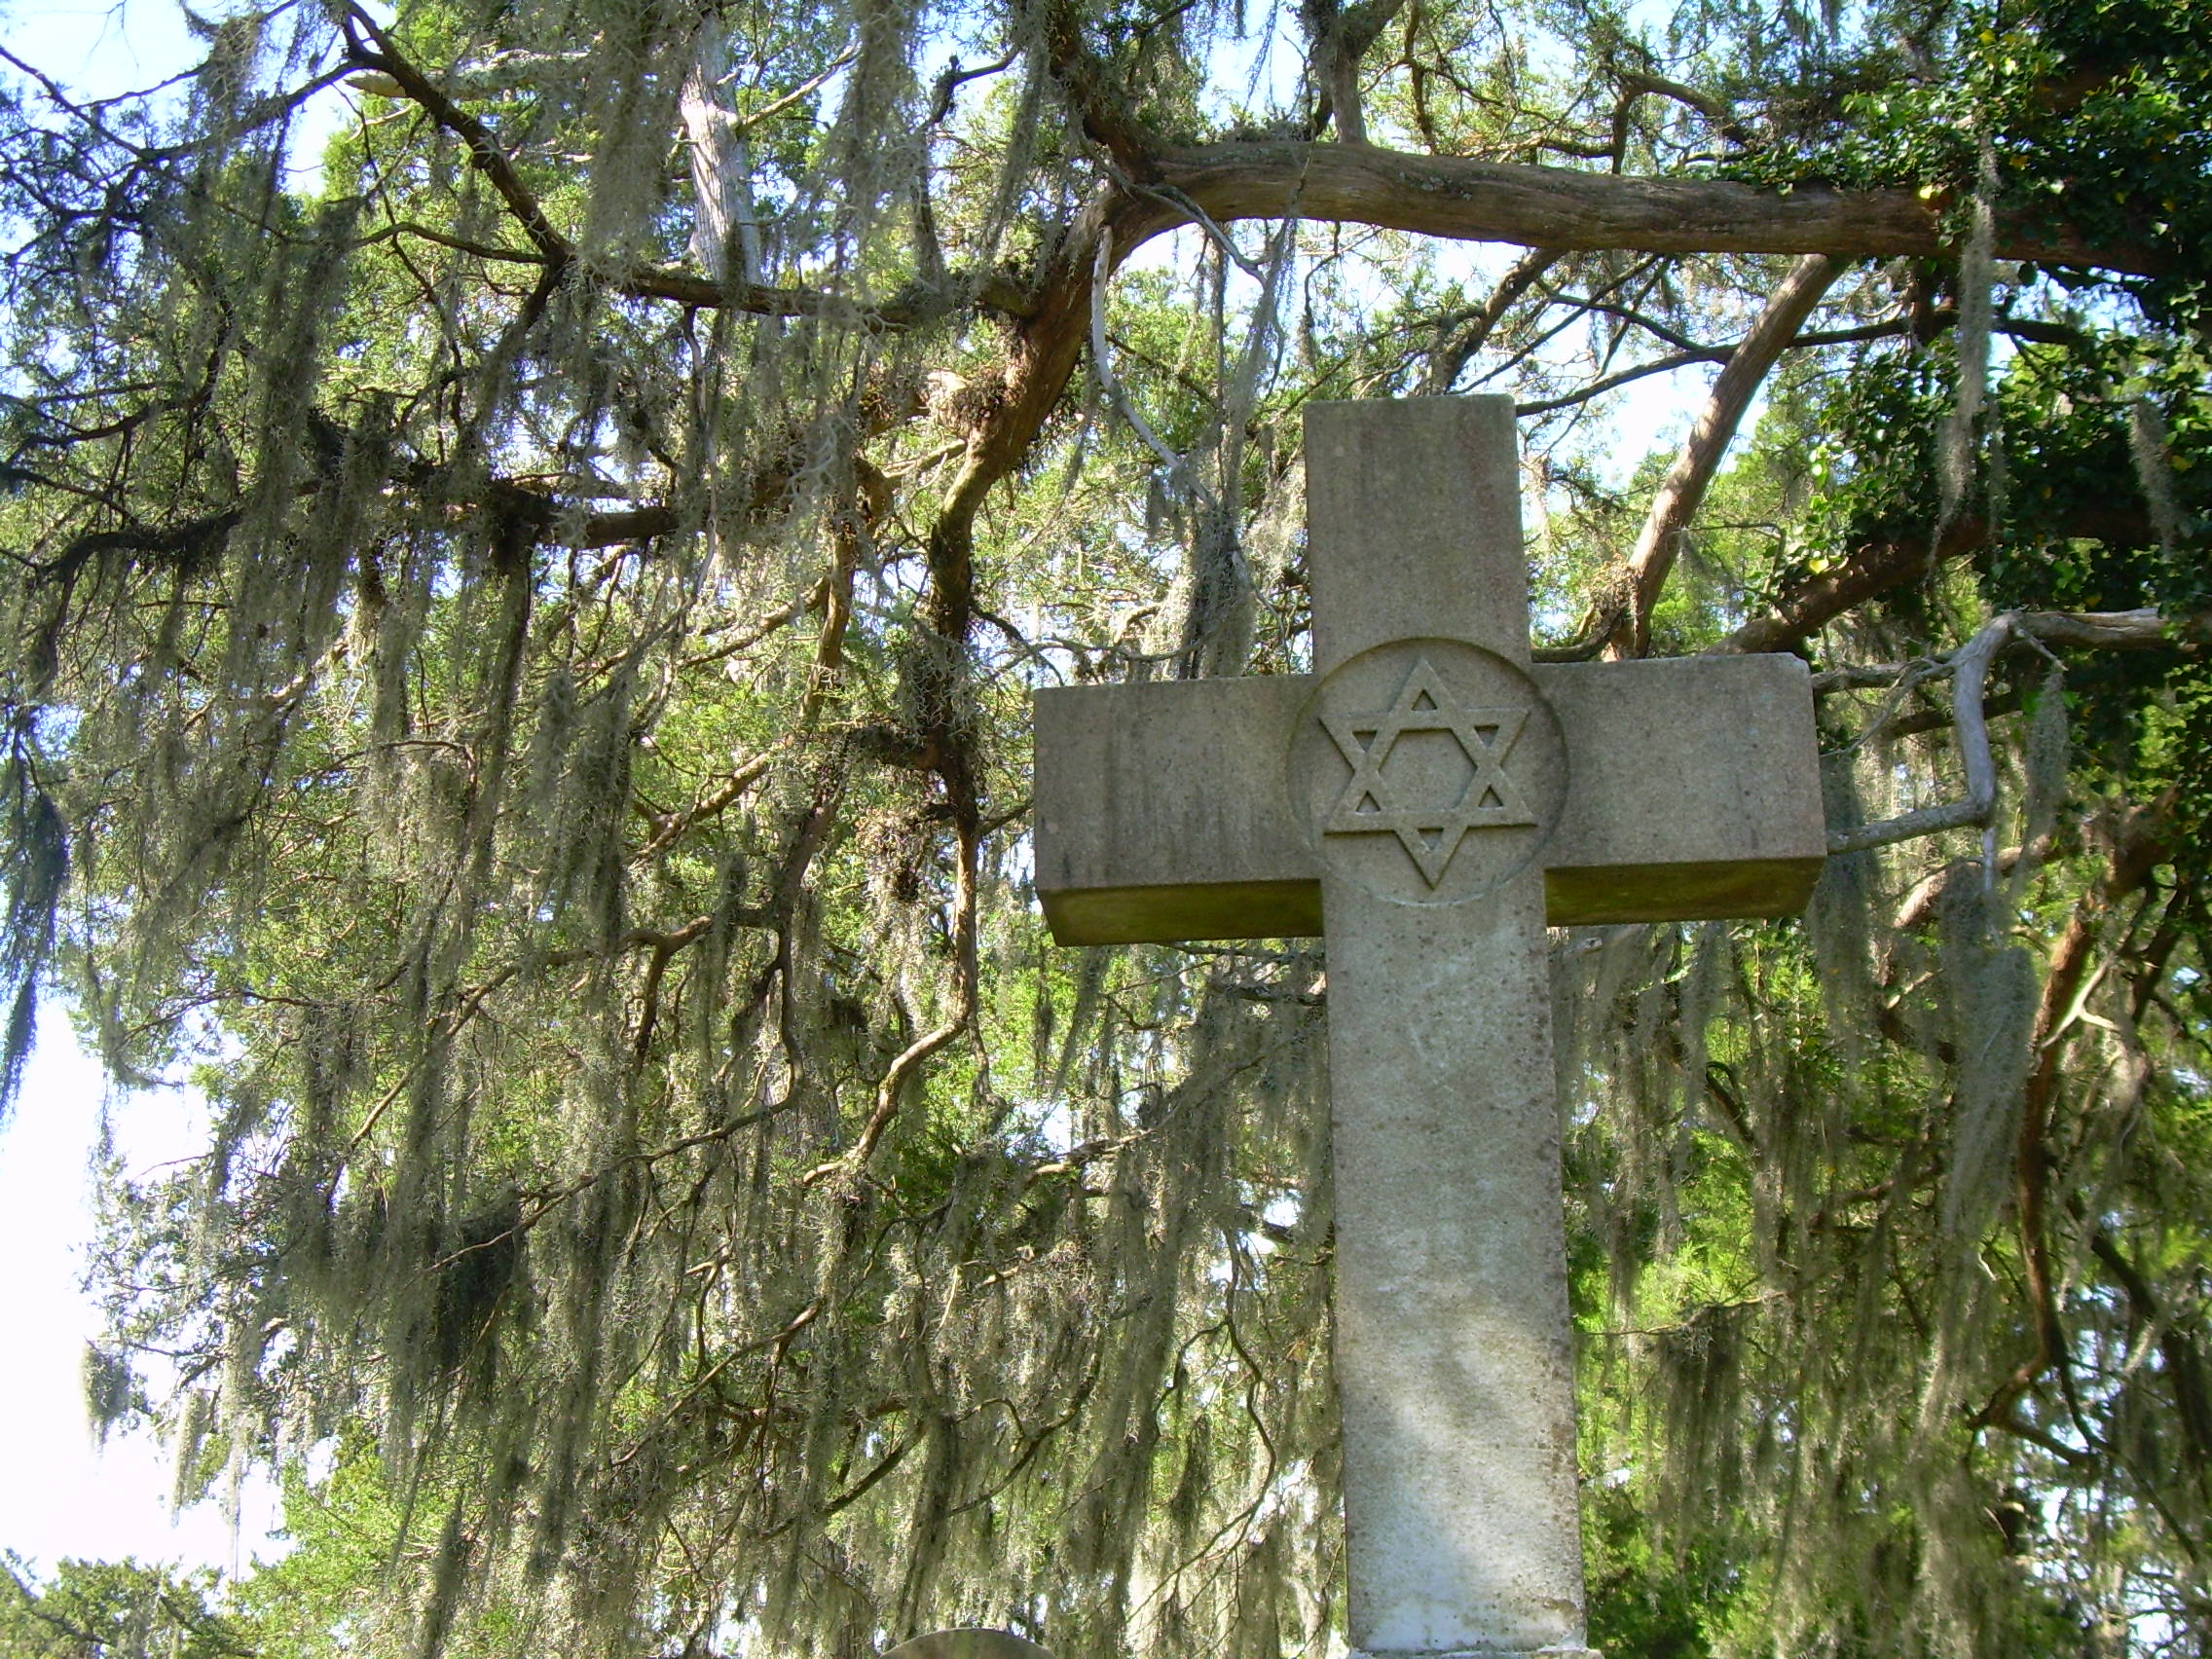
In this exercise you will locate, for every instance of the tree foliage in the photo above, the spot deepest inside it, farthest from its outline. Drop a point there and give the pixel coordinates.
(113, 1610)
(516, 673)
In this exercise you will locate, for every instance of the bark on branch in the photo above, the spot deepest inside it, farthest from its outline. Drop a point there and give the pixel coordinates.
(1560, 207)
(1806, 606)
(1092, 90)
(1684, 491)
(1969, 671)
(1341, 38)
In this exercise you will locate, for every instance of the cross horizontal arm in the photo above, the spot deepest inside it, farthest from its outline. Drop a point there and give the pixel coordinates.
(1163, 810)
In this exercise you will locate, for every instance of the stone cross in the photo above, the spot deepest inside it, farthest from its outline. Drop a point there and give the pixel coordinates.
(1427, 799)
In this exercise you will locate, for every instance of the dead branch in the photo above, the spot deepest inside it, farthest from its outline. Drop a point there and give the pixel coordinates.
(2143, 629)
(1968, 668)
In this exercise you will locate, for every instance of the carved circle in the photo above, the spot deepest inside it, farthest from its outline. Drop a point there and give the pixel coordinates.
(1428, 771)
(969, 1644)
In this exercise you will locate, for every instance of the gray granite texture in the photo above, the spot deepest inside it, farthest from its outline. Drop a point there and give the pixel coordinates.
(1428, 800)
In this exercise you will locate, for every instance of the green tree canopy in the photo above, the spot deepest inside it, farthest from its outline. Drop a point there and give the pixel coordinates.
(514, 667)
(113, 1610)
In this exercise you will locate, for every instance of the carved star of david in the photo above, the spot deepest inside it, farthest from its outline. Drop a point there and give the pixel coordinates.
(1430, 831)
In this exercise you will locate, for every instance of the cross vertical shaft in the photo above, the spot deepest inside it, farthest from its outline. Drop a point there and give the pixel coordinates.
(1452, 1339)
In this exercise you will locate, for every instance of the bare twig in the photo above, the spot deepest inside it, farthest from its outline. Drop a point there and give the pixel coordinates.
(1178, 467)
(1969, 670)
(2110, 629)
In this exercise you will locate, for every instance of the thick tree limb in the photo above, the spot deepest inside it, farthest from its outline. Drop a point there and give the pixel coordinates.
(1093, 90)
(2143, 629)
(1684, 491)
(1341, 38)
(1807, 606)
(186, 543)
(1560, 207)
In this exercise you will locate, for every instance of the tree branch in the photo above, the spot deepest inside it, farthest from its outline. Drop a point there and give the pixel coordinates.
(1560, 207)
(1714, 109)
(1808, 606)
(1684, 491)
(1451, 358)
(1341, 39)
(484, 151)
(2139, 849)
(1704, 354)
(2145, 629)
(1969, 669)
(1092, 93)
(553, 250)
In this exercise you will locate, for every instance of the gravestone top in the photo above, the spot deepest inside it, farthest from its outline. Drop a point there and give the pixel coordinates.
(969, 1644)
(1428, 800)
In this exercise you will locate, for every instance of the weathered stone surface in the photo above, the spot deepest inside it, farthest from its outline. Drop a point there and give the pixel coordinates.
(1432, 774)
(968, 1644)
(1163, 810)
(1694, 790)
(1454, 1347)
(1434, 800)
